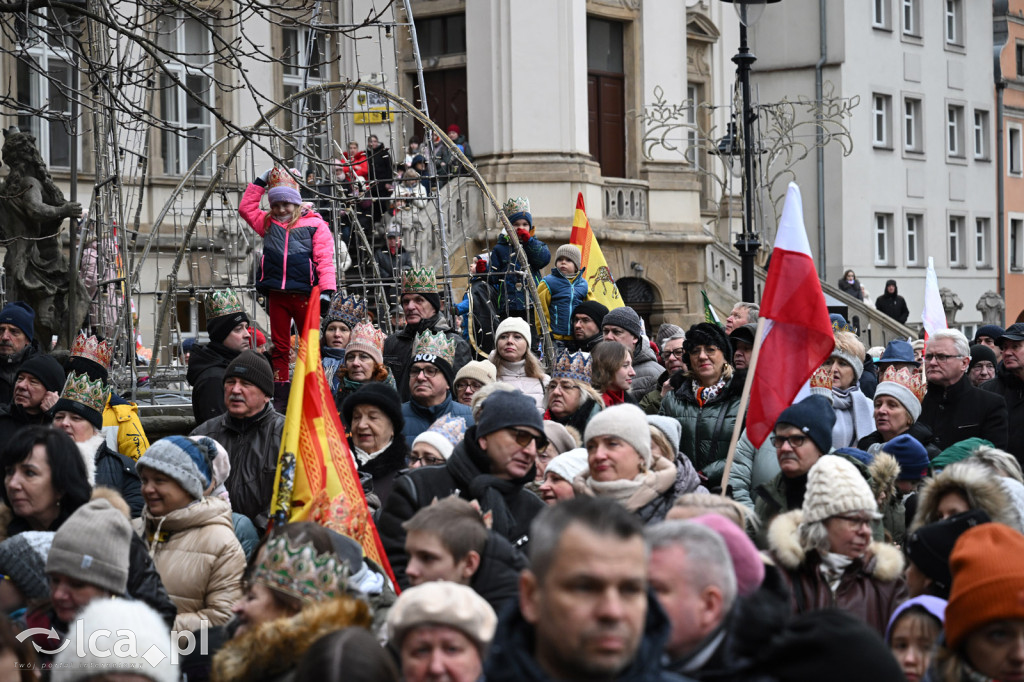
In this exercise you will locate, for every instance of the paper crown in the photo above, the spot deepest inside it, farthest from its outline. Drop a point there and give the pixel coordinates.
(845, 327)
(821, 382)
(429, 346)
(366, 335)
(910, 380)
(92, 394)
(452, 428)
(297, 570)
(223, 302)
(348, 309)
(575, 366)
(515, 205)
(282, 177)
(91, 348)
(419, 281)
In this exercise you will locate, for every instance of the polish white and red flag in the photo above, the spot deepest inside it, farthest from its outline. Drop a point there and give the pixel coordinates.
(797, 334)
(933, 315)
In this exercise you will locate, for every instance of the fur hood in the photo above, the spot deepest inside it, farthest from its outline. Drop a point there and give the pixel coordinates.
(884, 470)
(980, 486)
(276, 647)
(882, 561)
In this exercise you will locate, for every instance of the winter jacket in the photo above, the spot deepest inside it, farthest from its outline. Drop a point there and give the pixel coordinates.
(707, 430)
(418, 418)
(392, 266)
(851, 288)
(295, 258)
(332, 359)
(497, 577)
(466, 474)
(199, 560)
(511, 657)
(206, 366)
(116, 471)
(380, 170)
(976, 483)
(9, 366)
(356, 165)
(752, 468)
(1011, 387)
(385, 467)
(870, 589)
(13, 418)
(586, 345)
(918, 430)
(645, 364)
(398, 350)
(963, 411)
(123, 428)
(893, 304)
(479, 310)
(514, 374)
(505, 261)
(253, 445)
(651, 402)
(559, 295)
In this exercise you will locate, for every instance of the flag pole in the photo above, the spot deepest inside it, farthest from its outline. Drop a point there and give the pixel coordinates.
(741, 413)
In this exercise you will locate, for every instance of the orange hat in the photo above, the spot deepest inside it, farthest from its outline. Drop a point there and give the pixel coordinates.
(988, 580)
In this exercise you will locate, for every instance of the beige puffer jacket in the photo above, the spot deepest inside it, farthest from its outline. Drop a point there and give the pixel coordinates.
(199, 560)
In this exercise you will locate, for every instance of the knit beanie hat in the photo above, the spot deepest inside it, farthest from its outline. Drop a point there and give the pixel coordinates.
(504, 409)
(959, 451)
(254, 368)
(513, 324)
(224, 312)
(746, 560)
(901, 393)
(992, 331)
(933, 605)
(92, 546)
(559, 436)
(21, 315)
(669, 426)
(707, 334)
(282, 187)
(856, 363)
(815, 417)
(23, 560)
(834, 486)
(444, 434)
(442, 603)
(569, 252)
(101, 624)
(625, 421)
(861, 456)
(569, 465)
(666, 332)
(186, 461)
(483, 371)
(624, 317)
(981, 353)
(380, 396)
(911, 455)
(929, 546)
(988, 580)
(592, 309)
(220, 463)
(46, 369)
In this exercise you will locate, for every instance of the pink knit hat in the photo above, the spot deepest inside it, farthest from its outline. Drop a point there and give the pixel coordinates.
(746, 560)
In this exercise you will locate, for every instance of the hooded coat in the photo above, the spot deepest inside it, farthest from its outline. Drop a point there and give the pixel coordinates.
(398, 350)
(206, 367)
(870, 588)
(893, 304)
(645, 364)
(1011, 387)
(977, 483)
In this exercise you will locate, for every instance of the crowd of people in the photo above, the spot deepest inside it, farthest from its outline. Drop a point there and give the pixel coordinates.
(572, 517)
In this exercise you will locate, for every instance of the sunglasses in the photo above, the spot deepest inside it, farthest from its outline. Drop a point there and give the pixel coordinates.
(523, 438)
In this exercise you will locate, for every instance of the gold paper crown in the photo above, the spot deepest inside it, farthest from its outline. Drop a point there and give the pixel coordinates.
(91, 348)
(515, 205)
(223, 302)
(822, 379)
(419, 281)
(282, 177)
(575, 366)
(429, 346)
(299, 571)
(91, 394)
(910, 380)
(366, 335)
(348, 309)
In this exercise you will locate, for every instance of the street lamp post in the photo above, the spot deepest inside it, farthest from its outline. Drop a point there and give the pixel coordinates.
(747, 242)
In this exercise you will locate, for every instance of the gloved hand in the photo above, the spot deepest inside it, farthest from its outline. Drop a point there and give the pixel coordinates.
(325, 304)
(265, 178)
(524, 235)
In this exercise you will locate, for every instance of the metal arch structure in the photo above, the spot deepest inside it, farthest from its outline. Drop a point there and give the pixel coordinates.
(344, 87)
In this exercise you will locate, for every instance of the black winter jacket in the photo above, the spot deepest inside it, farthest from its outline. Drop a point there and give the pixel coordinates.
(963, 411)
(13, 418)
(116, 471)
(893, 304)
(398, 350)
(1011, 387)
(205, 375)
(497, 578)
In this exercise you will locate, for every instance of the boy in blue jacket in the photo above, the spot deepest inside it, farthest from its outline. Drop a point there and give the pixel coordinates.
(561, 291)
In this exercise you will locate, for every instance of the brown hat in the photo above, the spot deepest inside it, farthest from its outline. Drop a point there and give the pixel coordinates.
(571, 252)
(254, 368)
(442, 603)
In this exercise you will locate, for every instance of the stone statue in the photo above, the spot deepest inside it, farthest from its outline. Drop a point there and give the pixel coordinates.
(32, 210)
(992, 308)
(951, 303)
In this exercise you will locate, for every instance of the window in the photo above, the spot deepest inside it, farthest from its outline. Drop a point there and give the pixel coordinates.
(1013, 152)
(881, 13)
(881, 111)
(883, 238)
(954, 22)
(981, 242)
(1020, 60)
(1016, 244)
(189, 46)
(912, 130)
(955, 130)
(305, 65)
(981, 134)
(911, 17)
(442, 35)
(44, 86)
(956, 240)
(913, 245)
(693, 97)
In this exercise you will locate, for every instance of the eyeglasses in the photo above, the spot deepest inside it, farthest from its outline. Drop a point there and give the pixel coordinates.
(707, 350)
(794, 441)
(564, 387)
(854, 521)
(430, 371)
(939, 357)
(463, 384)
(677, 353)
(429, 461)
(523, 438)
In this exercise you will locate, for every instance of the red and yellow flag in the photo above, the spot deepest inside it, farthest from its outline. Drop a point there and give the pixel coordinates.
(316, 475)
(599, 278)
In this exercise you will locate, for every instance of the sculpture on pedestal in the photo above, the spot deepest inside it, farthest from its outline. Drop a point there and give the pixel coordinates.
(992, 308)
(951, 304)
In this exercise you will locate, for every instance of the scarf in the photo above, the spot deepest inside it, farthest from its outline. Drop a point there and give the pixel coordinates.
(88, 451)
(854, 416)
(494, 494)
(632, 493)
(362, 457)
(832, 568)
(705, 395)
(614, 396)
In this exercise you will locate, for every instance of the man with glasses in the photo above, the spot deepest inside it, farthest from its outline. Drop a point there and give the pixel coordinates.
(672, 354)
(953, 408)
(430, 382)
(490, 466)
(1009, 383)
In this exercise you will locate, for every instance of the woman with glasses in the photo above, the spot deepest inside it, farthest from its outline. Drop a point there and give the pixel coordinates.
(826, 551)
(514, 362)
(571, 400)
(373, 419)
(434, 446)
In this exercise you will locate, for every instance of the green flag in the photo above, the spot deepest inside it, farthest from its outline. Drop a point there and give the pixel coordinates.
(710, 315)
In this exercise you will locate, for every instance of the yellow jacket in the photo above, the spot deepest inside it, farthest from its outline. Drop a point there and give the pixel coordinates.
(123, 429)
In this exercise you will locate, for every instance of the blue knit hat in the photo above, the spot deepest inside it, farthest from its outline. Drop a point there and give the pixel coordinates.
(814, 416)
(21, 315)
(188, 462)
(911, 455)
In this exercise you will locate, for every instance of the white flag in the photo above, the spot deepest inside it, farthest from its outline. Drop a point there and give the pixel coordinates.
(933, 315)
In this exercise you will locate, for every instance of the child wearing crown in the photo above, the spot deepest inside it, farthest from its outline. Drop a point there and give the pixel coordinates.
(298, 253)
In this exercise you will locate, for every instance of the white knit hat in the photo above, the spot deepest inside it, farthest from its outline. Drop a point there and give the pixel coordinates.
(834, 486)
(624, 421)
(444, 434)
(513, 324)
(569, 464)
